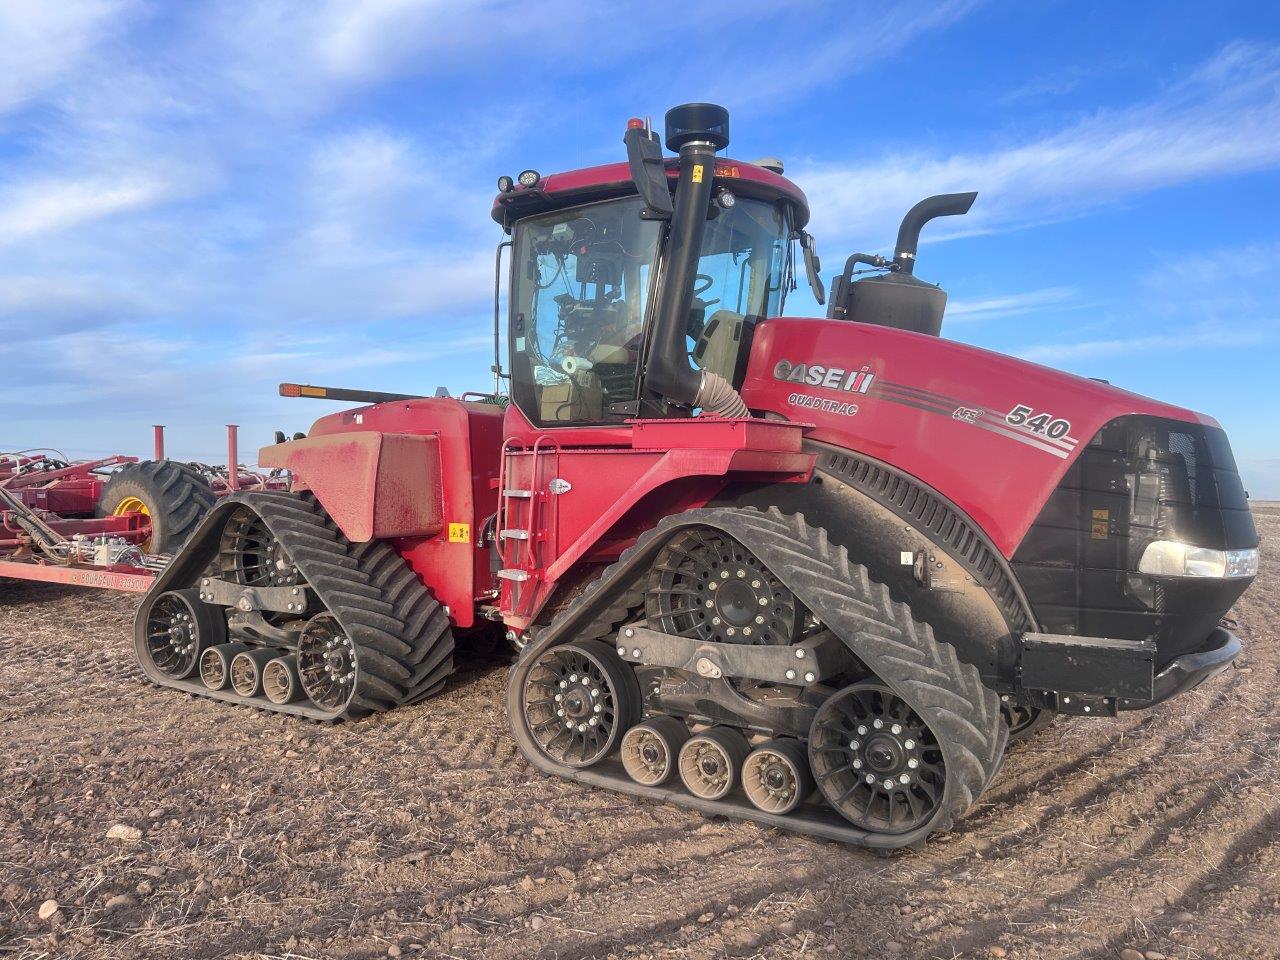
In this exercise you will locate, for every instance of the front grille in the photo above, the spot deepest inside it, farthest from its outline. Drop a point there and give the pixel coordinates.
(1138, 480)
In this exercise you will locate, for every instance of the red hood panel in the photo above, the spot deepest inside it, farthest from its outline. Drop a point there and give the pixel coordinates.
(993, 433)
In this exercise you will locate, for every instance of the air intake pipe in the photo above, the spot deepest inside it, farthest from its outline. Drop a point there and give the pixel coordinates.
(696, 131)
(943, 205)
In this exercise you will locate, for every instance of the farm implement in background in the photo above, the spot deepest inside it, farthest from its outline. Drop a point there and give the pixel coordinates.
(111, 522)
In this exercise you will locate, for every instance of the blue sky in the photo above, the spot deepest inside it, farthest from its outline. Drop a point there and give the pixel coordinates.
(199, 200)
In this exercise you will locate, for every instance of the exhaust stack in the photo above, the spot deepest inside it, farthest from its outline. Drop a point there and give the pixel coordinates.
(898, 298)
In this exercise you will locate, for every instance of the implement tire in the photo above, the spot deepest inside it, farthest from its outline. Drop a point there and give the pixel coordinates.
(173, 495)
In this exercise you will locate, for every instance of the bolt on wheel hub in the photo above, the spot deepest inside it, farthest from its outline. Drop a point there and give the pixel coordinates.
(875, 760)
(707, 586)
(579, 699)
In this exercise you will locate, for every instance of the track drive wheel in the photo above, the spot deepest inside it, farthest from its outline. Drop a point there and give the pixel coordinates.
(578, 701)
(173, 495)
(179, 628)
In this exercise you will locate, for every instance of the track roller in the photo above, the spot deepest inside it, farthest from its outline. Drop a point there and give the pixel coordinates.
(650, 749)
(215, 664)
(776, 776)
(709, 763)
(179, 627)
(280, 680)
(579, 699)
(246, 670)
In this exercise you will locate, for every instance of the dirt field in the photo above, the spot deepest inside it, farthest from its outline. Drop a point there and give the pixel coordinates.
(422, 833)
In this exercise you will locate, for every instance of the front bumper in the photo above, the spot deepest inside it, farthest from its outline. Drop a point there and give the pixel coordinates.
(1095, 676)
(1191, 669)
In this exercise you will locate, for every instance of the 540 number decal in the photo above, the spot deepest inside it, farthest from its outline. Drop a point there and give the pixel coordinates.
(1045, 423)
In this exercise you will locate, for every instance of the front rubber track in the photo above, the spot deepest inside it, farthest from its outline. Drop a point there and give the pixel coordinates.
(401, 633)
(946, 692)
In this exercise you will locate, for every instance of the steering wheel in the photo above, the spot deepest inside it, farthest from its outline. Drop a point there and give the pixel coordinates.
(703, 285)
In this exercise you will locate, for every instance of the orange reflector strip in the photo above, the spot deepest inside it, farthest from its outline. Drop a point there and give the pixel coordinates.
(313, 392)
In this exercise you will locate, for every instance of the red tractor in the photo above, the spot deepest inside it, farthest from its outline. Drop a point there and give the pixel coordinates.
(807, 572)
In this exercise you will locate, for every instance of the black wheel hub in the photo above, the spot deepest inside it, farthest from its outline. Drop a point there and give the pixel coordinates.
(776, 777)
(327, 663)
(251, 554)
(575, 704)
(705, 585)
(876, 760)
(173, 640)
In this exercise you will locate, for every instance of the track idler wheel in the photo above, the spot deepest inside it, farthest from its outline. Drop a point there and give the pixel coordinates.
(280, 681)
(578, 701)
(179, 627)
(246, 670)
(327, 662)
(709, 763)
(215, 664)
(876, 761)
(776, 776)
(650, 749)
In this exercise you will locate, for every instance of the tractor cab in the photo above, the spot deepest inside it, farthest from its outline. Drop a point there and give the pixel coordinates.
(619, 306)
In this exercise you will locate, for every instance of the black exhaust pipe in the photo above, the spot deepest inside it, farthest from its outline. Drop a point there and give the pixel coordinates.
(696, 131)
(943, 205)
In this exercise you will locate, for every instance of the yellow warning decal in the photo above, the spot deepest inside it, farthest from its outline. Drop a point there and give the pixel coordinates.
(1101, 524)
(697, 173)
(459, 533)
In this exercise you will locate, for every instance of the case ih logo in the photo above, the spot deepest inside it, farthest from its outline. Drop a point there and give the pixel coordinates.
(831, 378)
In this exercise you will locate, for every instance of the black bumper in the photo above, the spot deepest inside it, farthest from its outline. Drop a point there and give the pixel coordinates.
(1191, 669)
(1092, 676)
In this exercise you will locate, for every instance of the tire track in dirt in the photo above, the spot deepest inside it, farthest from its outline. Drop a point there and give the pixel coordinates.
(1149, 833)
(1260, 837)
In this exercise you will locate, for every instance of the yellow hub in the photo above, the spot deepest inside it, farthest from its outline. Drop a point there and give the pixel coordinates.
(134, 505)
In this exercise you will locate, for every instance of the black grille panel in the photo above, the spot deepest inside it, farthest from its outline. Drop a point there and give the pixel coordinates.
(1139, 480)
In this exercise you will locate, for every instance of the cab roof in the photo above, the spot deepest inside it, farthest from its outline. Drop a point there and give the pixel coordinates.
(558, 190)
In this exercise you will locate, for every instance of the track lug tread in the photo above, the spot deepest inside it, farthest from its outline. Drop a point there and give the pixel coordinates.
(903, 652)
(402, 635)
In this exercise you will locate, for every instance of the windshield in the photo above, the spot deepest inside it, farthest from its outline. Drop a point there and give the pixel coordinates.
(580, 286)
(741, 276)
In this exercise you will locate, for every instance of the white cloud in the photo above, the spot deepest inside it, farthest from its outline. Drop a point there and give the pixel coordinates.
(1223, 119)
(1009, 305)
(850, 38)
(1198, 337)
(48, 205)
(46, 40)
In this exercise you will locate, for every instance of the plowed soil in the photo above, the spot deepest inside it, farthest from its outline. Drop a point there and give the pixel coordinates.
(423, 833)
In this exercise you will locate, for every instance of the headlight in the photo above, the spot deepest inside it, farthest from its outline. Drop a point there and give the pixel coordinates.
(1168, 558)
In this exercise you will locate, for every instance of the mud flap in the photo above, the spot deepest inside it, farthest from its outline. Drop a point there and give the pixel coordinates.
(948, 694)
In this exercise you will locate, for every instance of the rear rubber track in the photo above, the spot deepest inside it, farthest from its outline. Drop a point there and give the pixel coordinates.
(946, 692)
(401, 632)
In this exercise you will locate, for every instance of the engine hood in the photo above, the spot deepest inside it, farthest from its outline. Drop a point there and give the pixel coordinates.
(993, 433)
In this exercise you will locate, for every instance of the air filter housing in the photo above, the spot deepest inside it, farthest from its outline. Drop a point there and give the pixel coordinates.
(897, 300)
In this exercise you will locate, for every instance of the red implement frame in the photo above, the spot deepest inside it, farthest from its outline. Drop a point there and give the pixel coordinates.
(63, 501)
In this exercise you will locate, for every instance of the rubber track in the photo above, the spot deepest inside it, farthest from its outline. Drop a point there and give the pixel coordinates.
(404, 645)
(947, 693)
